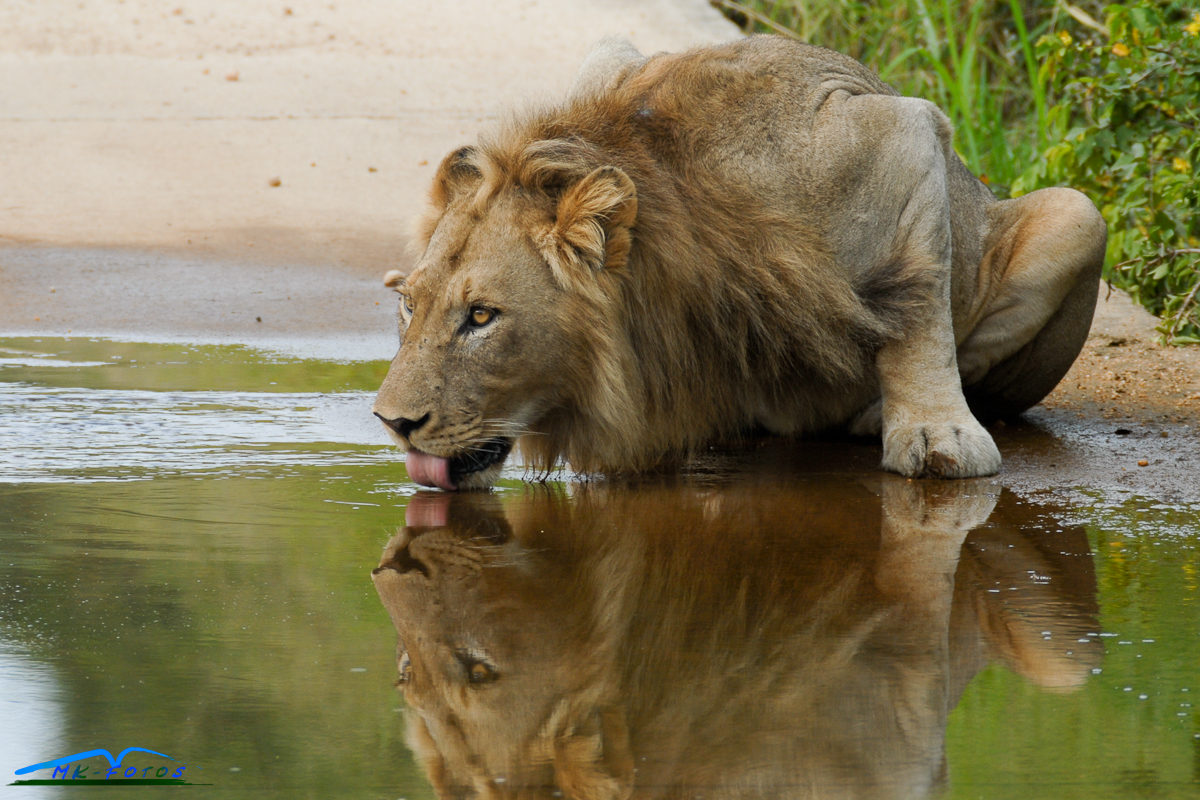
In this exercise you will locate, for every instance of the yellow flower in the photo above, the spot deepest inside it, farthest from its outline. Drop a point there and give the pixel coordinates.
(1065, 37)
(1181, 165)
(1193, 27)
(1120, 50)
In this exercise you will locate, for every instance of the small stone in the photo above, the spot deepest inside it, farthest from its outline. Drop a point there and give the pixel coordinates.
(258, 319)
(274, 182)
(372, 169)
(232, 75)
(1143, 463)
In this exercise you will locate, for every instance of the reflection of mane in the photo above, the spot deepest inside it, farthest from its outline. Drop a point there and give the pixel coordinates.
(751, 640)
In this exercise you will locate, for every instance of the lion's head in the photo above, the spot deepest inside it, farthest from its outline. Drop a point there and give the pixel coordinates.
(500, 321)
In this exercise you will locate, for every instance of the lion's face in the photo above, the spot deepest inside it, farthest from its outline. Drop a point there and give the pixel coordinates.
(480, 328)
(497, 321)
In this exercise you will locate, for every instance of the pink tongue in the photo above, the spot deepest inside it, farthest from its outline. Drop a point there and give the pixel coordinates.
(429, 470)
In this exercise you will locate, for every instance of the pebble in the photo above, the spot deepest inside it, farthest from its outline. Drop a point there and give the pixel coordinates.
(1143, 463)
(232, 75)
(274, 182)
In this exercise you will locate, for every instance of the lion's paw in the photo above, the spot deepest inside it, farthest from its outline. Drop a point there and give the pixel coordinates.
(940, 450)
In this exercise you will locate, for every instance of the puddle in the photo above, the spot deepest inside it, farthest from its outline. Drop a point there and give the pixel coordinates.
(187, 536)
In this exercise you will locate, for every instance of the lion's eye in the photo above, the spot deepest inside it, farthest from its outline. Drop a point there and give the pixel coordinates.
(481, 316)
(408, 305)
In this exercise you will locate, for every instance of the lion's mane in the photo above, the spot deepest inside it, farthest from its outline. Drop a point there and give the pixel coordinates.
(703, 304)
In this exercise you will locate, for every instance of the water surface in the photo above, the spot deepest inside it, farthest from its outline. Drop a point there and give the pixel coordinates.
(187, 540)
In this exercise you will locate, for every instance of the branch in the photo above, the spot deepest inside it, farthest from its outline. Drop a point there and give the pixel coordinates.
(1182, 312)
(1083, 18)
(757, 16)
(1157, 259)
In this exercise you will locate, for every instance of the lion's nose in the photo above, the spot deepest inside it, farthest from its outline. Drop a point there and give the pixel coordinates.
(401, 425)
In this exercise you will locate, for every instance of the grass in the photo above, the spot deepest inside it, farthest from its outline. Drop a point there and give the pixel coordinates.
(974, 59)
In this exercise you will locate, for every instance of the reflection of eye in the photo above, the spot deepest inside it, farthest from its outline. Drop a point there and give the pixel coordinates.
(476, 665)
(480, 672)
(405, 669)
(481, 316)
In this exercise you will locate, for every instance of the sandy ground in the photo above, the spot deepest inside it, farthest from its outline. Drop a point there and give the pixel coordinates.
(161, 123)
(1126, 400)
(139, 140)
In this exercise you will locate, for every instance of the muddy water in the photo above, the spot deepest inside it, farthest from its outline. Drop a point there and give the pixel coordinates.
(187, 540)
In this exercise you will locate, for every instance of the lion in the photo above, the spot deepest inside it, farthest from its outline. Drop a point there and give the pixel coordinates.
(757, 236)
(804, 640)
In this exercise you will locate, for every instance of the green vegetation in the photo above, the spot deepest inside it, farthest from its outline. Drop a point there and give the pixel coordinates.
(1046, 93)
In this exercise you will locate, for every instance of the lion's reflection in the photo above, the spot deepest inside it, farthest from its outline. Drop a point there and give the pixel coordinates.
(803, 639)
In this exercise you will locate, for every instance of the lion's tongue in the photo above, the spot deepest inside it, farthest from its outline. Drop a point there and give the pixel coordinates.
(429, 470)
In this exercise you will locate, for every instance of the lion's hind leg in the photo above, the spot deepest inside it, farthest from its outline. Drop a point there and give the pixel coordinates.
(608, 63)
(1039, 280)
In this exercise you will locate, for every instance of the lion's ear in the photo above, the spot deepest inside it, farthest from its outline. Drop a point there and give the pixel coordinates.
(456, 174)
(593, 224)
(393, 279)
(593, 762)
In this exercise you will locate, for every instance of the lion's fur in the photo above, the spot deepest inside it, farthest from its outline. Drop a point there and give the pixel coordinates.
(639, 628)
(699, 282)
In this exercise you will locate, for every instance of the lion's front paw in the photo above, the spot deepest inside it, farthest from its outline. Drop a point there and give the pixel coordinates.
(940, 450)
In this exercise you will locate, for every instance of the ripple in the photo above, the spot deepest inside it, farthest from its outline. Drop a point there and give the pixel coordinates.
(50, 434)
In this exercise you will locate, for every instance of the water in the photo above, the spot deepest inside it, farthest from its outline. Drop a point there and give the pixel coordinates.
(187, 539)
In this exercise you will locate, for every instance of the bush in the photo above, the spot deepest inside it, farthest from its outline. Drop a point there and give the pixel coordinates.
(1125, 130)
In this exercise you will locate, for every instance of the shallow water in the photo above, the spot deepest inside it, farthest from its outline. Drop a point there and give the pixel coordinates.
(187, 539)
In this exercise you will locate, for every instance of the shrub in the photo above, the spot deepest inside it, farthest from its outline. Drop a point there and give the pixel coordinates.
(1124, 126)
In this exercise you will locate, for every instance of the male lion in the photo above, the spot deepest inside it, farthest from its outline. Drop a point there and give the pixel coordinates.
(759, 235)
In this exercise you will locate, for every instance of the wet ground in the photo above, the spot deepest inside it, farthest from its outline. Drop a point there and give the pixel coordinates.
(188, 535)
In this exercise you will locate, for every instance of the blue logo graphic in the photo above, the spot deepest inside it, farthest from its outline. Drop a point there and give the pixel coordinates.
(116, 773)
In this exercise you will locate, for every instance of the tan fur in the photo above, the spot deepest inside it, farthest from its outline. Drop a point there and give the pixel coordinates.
(818, 657)
(757, 235)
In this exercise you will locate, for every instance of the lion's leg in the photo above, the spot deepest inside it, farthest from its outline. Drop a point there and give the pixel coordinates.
(1041, 271)
(928, 430)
